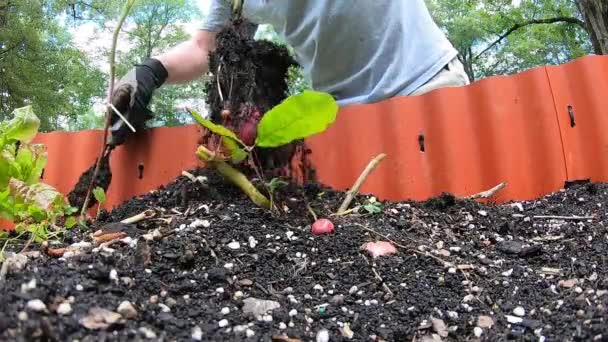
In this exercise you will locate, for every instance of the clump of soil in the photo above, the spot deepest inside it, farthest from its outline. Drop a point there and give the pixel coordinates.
(249, 77)
(104, 178)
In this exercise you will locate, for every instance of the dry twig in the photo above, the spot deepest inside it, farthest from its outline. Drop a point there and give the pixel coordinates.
(350, 195)
(487, 193)
(565, 218)
(148, 214)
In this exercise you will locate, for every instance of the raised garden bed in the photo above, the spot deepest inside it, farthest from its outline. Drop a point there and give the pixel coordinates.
(462, 270)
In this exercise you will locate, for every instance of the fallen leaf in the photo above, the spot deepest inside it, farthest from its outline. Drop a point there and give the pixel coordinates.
(550, 271)
(568, 284)
(440, 327)
(485, 322)
(99, 239)
(443, 253)
(465, 267)
(285, 339)
(258, 307)
(379, 248)
(99, 318)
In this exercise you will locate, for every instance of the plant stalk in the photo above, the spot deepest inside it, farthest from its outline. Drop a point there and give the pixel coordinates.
(234, 176)
(350, 195)
(106, 149)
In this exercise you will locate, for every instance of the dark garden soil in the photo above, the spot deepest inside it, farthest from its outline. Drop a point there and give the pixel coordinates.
(103, 180)
(462, 269)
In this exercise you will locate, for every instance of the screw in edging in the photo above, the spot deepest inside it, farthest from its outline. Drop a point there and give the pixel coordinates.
(140, 167)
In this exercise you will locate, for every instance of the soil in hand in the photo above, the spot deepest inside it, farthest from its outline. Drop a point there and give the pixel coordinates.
(104, 178)
(249, 77)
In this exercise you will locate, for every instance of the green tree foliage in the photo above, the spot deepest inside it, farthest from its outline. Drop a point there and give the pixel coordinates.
(500, 37)
(39, 67)
(153, 27)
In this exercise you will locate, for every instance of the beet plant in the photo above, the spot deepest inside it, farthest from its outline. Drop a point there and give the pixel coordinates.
(33, 206)
(297, 117)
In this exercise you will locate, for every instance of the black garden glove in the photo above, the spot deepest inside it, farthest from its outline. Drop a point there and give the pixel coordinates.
(132, 95)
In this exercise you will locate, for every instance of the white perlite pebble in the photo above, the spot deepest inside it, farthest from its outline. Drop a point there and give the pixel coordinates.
(164, 308)
(249, 333)
(79, 287)
(238, 294)
(293, 313)
(318, 287)
(353, 290)
(323, 336)
(36, 305)
(200, 223)
(507, 273)
(514, 319)
(113, 275)
(282, 326)
(477, 331)
(519, 311)
(225, 311)
(223, 323)
(252, 242)
(64, 308)
(453, 314)
(127, 310)
(219, 290)
(148, 333)
(22, 316)
(197, 333)
(28, 286)
(229, 265)
(234, 245)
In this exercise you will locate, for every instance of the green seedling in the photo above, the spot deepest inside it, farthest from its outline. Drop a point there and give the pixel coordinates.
(100, 197)
(372, 206)
(298, 117)
(274, 185)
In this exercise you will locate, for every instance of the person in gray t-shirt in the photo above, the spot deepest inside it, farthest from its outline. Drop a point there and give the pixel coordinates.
(360, 51)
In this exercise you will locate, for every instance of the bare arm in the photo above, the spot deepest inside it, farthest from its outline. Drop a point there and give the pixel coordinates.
(189, 60)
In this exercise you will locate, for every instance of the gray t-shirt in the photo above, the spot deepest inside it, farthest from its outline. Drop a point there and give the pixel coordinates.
(360, 51)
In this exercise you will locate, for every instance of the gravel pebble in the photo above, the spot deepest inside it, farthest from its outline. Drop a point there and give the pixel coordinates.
(36, 305)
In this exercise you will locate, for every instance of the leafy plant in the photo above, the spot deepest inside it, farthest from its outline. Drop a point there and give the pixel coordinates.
(298, 117)
(33, 206)
(100, 197)
(273, 186)
(372, 206)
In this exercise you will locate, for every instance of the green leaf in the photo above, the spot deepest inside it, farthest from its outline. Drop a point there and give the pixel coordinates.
(23, 127)
(298, 117)
(217, 129)
(99, 194)
(39, 195)
(70, 210)
(32, 159)
(276, 183)
(237, 154)
(7, 207)
(70, 222)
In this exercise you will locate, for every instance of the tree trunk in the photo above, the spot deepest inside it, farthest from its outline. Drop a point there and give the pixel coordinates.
(596, 20)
